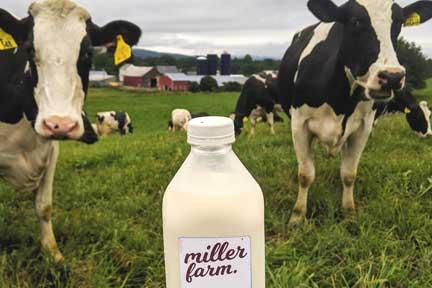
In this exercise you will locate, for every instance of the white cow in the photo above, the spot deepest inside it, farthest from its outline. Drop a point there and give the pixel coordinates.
(179, 120)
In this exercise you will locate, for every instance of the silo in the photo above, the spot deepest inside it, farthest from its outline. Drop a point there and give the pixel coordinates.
(226, 64)
(213, 64)
(202, 66)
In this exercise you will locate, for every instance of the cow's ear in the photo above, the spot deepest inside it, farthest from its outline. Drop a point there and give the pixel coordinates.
(119, 34)
(417, 13)
(325, 10)
(17, 28)
(107, 35)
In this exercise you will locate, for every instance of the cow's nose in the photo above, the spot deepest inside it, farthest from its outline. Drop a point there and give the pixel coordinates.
(392, 80)
(60, 127)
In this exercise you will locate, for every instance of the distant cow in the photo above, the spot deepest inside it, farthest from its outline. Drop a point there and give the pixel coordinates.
(44, 78)
(113, 122)
(418, 114)
(257, 100)
(179, 120)
(332, 76)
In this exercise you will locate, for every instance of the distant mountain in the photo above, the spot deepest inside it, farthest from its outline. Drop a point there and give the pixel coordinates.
(147, 54)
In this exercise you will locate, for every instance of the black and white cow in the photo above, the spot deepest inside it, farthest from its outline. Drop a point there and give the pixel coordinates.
(417, 113)
(44, 80)
(257, 100)
(331, 77)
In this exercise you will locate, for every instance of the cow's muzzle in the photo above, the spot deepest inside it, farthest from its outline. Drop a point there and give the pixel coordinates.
(391, 80)
(61, 128)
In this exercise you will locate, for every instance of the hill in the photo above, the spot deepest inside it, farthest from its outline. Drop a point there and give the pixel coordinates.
(149, 54)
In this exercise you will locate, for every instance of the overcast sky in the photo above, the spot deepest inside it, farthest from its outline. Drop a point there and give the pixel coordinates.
(256, 27)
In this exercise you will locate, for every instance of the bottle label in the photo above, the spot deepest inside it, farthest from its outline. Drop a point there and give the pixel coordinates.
(215, 262)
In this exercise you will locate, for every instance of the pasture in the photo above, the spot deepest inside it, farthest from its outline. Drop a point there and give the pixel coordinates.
(107, 206)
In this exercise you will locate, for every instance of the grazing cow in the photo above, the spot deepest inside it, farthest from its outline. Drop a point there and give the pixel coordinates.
(331, 77)
(179, 120)
(417, 113)
(257, 100)
(44, 78)
(111, 122)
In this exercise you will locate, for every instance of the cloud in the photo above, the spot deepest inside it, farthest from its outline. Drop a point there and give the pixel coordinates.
(257, 27)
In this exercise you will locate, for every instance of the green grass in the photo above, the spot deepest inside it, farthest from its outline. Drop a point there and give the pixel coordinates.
(108, 197)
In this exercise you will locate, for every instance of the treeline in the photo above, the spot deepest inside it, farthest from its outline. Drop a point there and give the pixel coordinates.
(419, 67)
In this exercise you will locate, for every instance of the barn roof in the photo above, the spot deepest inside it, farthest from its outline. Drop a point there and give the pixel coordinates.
(183, 77)
(135, 71)
(96, 76)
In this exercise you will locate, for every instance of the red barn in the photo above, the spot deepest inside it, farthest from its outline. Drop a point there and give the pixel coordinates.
(135, 76)
(177, 81)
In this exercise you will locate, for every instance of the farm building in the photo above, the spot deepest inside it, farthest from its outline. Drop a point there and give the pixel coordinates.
(136, 76)
(177, 81)
(180, 81)
(100, 78)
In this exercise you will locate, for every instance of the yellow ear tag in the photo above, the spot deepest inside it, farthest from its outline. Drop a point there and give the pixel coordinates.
(413, 20)
(7, 41)
(123, 51)
(407, 110)
(245, 119)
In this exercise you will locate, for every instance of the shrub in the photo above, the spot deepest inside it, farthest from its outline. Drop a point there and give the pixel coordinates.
(232, 87)
(208, 84)
(194, 87)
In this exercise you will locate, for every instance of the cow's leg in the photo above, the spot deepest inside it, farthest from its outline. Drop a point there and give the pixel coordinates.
(253, 122)
(351, 154)
(43, 203)
(306, 170)
(270, 121)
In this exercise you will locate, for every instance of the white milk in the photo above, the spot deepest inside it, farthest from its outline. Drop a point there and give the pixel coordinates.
(213, 215)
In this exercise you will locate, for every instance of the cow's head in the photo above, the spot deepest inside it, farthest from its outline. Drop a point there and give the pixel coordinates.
(57, 38)
(371, 29)
(419, 118)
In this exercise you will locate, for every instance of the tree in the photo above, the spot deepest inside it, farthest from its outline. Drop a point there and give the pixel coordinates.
(208, 84)
(418, 67)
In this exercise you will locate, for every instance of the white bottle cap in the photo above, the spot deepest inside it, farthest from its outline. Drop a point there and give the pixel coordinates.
(211, 131)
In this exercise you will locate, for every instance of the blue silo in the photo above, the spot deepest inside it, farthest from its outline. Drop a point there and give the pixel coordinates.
(213, 64)
(202, 66)
(226, 64)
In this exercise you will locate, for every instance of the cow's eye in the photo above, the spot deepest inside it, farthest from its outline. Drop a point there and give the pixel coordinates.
(357, 23)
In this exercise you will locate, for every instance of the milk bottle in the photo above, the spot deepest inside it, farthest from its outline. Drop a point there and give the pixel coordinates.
(213, 215)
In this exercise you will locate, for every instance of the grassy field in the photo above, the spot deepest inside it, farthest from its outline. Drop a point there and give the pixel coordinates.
(108, 198)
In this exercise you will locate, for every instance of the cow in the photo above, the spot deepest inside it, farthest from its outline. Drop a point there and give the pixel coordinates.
(111, 122)
(179, 120)
(44, 78)
(418, 114)
(331, 77)
(257, 100)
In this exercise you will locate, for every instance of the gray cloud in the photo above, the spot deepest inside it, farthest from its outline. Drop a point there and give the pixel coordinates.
(257, 27)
